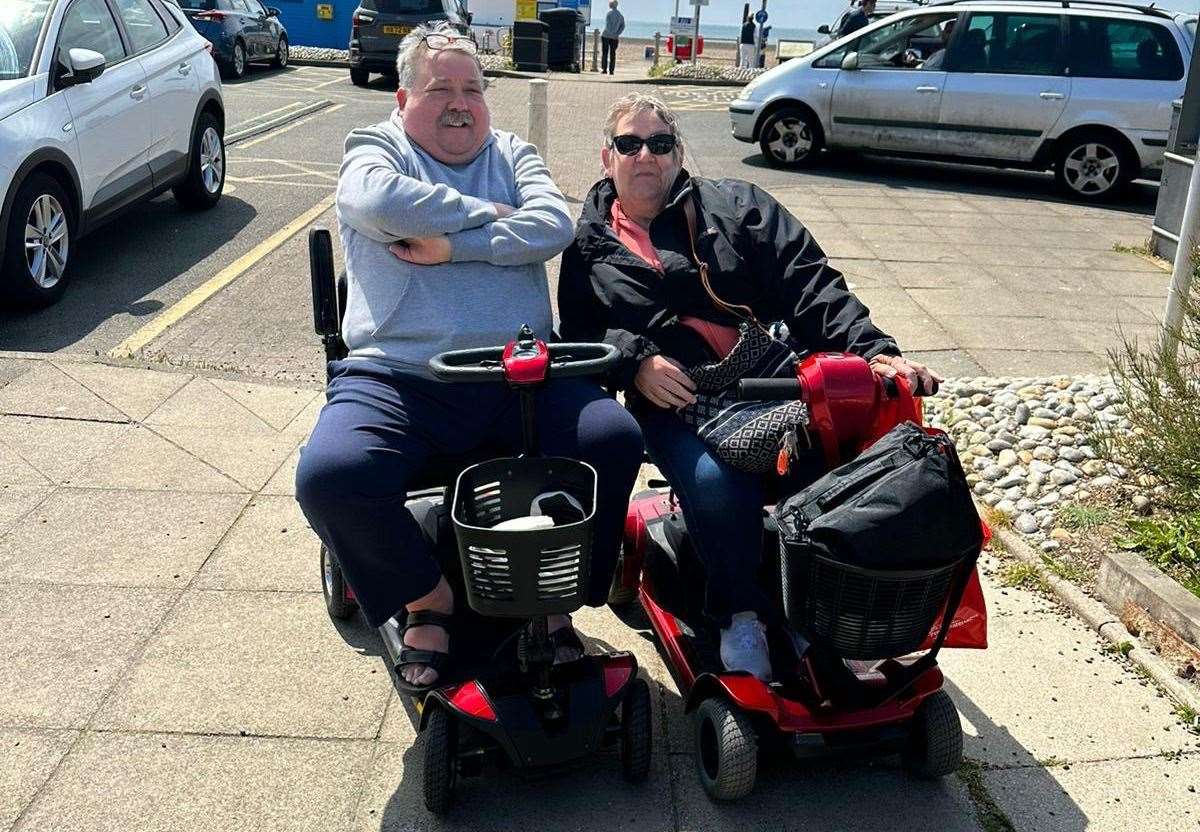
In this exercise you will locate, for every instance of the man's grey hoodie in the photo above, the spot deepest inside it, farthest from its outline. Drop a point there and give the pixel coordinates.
(390, 189)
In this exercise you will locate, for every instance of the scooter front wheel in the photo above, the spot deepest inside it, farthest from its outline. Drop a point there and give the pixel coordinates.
(440, 768)
(935, 741)
(726, 750)
(333, 586)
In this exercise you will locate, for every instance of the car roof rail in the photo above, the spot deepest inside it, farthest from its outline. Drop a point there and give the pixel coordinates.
(1147, 9)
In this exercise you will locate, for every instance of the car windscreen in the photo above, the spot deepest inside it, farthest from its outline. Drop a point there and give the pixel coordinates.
(20, 24)
(198, 5)
(415, 7)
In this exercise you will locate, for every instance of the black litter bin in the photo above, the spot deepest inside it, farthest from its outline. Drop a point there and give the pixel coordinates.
(564, 44)
(530, 44)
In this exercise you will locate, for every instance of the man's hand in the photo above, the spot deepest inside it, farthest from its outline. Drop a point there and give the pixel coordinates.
(920, 379)
(502, 210)
(664, 382)
(430, 251)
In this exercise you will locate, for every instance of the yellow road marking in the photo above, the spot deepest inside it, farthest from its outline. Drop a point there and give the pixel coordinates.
(270, 134)
(135, 343)
(261, 116)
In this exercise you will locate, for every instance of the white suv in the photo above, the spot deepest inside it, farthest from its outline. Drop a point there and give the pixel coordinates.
(102, 103)
(1083, 87)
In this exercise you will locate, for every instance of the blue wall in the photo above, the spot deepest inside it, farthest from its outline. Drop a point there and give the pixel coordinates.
(304, 29)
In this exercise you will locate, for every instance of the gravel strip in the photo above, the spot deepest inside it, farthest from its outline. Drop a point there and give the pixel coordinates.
(1027, 445)
(713, 72)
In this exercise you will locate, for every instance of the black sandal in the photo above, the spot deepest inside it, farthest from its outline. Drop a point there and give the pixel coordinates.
(435, 660)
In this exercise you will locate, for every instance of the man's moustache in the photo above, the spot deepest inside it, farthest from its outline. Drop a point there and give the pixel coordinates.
(457, 120)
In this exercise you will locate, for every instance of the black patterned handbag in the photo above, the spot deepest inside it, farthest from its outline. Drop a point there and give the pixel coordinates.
(753, 436)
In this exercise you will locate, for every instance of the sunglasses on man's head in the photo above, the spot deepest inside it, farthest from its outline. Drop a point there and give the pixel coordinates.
(438, 42)
(660, 144)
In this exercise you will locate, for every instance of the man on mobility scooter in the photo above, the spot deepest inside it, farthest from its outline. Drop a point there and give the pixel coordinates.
(446, 225)
(677, 272)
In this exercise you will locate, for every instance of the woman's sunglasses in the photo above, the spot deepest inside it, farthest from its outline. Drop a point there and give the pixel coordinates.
(439, 42)
(660, 144)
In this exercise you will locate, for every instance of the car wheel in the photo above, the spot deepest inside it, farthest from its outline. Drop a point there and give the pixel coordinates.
(40, 230)
(359, 76)
(1093, 167)
(791, 138)
(237, 64)
(201, 188)
(281, 53)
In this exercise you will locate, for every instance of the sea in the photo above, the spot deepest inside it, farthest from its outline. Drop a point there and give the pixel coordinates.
(718, 31)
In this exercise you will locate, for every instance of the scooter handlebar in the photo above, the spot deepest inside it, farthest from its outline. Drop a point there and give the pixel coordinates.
(486, 364)
(783, 389)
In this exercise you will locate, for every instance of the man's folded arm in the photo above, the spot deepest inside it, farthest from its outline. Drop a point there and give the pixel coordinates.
(538, 228)
(386, 204)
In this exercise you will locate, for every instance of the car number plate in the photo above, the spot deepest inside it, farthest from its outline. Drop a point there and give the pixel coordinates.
(396, 30)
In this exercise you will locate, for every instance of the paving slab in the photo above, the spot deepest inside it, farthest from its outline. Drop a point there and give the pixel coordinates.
(269, 547)
(58, 448)
(248, 458)
(15, 470)
(942, 219)
(593, 796)
(891, 300)
(1043, 690)
(1101, 337)
(1035, 362)
(918, 252)
(1087, 259)
(135, 392)
(277, 406)
(143, 459)
(987, 331)
(46, 390)
(955, 301)
(203, 404)
(1054, 279)
(947, 363)
(174, 783)
(918, 332)
(29, 757)
(851, 247)
(1009, 255)
(942, 276)
(1115, 796)
(118, 538)
(266, 663)
(11, 368)
(825, 794)
(18, 500)
(283, 481)
(63, 648)
(867, 219)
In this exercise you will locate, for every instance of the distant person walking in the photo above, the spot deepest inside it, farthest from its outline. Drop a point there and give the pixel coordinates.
(859, 18)
(746, 46)
(614, 25)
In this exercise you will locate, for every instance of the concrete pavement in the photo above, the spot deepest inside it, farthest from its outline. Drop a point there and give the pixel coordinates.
(170, 665)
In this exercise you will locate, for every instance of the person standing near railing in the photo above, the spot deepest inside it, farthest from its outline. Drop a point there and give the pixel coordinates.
(614, 25)
(746, 45)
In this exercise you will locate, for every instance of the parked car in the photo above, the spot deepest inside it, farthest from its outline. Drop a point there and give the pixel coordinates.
(1083, 89)
(883, 8)
(378, 26)
(241, 32)
(102, 103)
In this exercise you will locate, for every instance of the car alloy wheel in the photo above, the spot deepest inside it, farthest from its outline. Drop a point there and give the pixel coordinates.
(1092, 169)
(239, 60)
(212, 160)
(790, 139)
(47, 241)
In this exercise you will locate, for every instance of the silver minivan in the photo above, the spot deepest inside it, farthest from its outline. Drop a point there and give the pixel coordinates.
(1084, 88)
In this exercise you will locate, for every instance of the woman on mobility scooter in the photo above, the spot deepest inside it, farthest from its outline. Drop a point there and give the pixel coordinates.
(631, 280)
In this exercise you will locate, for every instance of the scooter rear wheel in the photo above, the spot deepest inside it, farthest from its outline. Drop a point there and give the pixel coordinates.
(935, 743)
(333, 586)
(440, 768)
(726, 750)
(637, 738)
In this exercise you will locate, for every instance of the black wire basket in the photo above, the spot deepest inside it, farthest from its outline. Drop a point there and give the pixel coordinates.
(861, 613)
(523, 573)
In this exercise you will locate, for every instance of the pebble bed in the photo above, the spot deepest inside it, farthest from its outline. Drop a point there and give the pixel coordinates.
(713, 72)
(1027, 445)
(490, 63)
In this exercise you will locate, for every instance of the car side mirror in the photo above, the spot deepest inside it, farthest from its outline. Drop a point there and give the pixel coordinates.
(850, 62)
(823, 29)
(85, 66)
(272, 11)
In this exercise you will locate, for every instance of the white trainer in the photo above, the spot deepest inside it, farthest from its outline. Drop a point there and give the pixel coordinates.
(744, 646)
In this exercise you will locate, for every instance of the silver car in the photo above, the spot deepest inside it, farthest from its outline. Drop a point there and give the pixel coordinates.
(1085, 90)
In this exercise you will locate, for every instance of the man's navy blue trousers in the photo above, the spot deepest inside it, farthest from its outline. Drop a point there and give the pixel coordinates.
(380, 425)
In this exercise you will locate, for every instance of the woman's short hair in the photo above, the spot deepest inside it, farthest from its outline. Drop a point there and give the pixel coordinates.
(637, 102)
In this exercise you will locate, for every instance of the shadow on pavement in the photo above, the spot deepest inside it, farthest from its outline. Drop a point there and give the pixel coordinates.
(115, 267)
(899, 172)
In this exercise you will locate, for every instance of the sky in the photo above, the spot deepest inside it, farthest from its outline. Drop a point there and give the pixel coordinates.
(800, 14)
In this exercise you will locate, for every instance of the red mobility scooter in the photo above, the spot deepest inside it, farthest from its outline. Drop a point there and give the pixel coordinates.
(847, 675)
(503, 699)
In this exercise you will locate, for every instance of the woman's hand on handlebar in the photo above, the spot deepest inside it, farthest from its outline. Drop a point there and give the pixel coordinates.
(921, 380)
(664, 382)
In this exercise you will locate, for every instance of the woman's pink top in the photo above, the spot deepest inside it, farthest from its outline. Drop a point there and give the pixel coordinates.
(720, 338)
